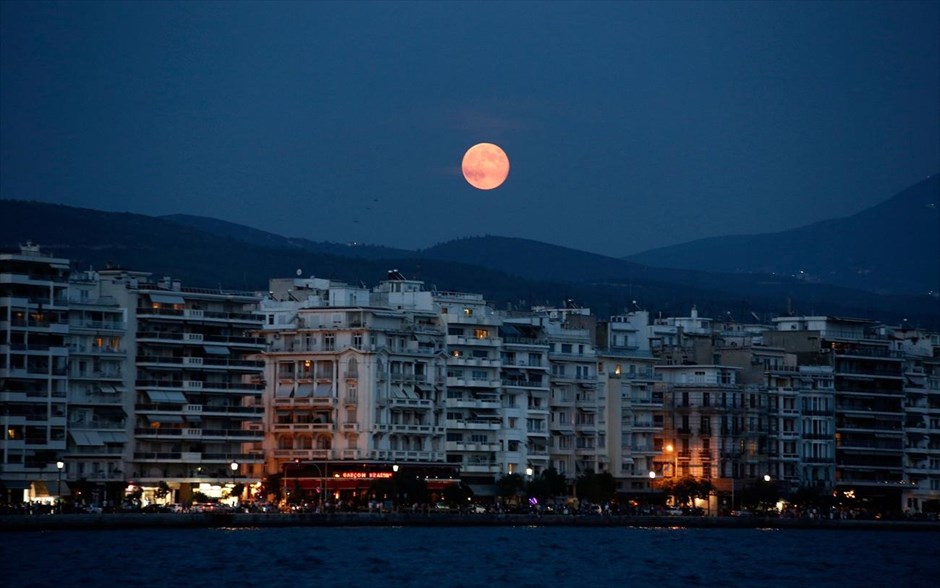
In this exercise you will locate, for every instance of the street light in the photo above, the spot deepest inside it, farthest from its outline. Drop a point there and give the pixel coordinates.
(320, 474)
(234, 466)
(767, 477)
(60, 465)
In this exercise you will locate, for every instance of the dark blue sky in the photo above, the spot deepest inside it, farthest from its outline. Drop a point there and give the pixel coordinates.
(628, 125)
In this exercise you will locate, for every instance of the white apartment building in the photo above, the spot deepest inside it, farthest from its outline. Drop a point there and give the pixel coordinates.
(197, 392)
(479, 441)
(634, 404)
(526, 393)
(355, 386)
(101, 404)
(34, 358)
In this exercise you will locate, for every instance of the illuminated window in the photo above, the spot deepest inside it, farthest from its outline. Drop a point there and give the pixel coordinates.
(617, 369)
(468, 312)
(481, 333)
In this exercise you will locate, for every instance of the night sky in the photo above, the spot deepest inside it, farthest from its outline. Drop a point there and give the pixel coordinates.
(628, 125)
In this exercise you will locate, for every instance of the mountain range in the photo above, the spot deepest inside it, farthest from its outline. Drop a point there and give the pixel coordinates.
(901, 262)
(892, 247)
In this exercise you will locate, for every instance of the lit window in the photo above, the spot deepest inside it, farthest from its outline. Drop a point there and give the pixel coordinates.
(481, 333)
(468, 312)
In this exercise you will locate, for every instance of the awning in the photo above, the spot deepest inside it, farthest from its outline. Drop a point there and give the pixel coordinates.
(110, 411)
(507, 330)
(15, 484)
(284, 390)
(172, 396)
(484, 489)
(166, 419)
(108, 389)
(216, 350)
(113, 436)
(64, 266)
(86, 438)
(324, 391)
(167, 299)
(304, 391)
(192, 419)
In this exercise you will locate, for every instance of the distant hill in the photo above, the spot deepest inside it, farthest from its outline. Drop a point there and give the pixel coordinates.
(510, 273)
(891, 247)
(253, 236)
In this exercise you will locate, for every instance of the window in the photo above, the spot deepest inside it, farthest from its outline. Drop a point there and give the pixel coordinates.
(468, 311)
(357, 340)
(329, 342)
(481, 333)
(566, 347)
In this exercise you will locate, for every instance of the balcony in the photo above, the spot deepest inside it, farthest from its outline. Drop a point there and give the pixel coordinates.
(474, 403)
(461, 446)
(413, 403)
(473, 424)
(480, 468)
(303, 427)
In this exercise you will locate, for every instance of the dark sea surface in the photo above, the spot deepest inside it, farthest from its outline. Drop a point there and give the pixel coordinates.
(468, 556)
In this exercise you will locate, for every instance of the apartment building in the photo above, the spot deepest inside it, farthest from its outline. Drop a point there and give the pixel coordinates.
(34, 356)
(921, 420)
(197, 393)
(482, 441)
(355, 387)
(100, 398)
(868, 384)
(526, 394)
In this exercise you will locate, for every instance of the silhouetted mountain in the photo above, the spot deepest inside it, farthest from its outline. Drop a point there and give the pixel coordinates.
(511, 273)
(891, 247)
(265, 239)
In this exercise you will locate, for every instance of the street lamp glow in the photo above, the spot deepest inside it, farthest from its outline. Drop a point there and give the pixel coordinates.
(528, 472)
(652, 475)
(766, 477)
(234, 467)
(59, 464)
(395, 468)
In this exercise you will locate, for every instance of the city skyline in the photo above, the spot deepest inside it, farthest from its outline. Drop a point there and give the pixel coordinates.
(629, 126)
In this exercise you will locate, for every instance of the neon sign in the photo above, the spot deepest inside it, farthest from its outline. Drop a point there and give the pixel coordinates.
(365, 475)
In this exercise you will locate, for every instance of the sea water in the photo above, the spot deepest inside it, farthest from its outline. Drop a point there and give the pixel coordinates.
(468, 556)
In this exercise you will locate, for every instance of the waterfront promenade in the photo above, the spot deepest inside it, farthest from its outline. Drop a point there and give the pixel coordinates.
(52, 522)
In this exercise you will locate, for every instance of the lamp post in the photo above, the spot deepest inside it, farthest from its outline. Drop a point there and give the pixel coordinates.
(320, 474)
(60, 465)
(671, 450)
(234, 466)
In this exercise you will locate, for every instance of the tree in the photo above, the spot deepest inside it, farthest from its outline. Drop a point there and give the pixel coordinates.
(162, 490)
(687, 488)
(457, 494)
(598, 488)
(510, 485)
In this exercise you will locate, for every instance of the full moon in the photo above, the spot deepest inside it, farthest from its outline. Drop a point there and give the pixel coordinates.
(485, 166)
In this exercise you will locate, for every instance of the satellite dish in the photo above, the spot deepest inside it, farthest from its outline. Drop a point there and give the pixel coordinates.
(300, 272)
